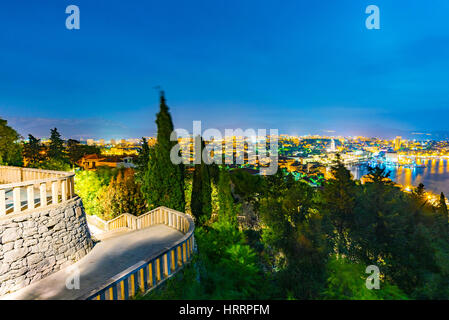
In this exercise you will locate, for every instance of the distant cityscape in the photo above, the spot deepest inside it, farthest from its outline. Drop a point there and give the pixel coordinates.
(308, 158)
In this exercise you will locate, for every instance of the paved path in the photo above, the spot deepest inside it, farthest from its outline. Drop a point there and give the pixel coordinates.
(108, 258)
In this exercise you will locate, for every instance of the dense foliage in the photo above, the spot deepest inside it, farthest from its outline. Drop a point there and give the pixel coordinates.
(201, 197)
(122, 195)
(311, 243)
(163, 182)
(225, 267)
(108, 192)
(10, 148)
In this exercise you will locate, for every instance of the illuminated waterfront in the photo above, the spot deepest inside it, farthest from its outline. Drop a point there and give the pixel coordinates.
(434, 176)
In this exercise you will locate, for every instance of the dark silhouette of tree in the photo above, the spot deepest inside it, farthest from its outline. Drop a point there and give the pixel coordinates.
(32, 151)
(56, 147)
(419, 192)
(442, 207)
(379, 175)
(201, 201)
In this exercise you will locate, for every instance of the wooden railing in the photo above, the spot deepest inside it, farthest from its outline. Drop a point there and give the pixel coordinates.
(58, 184)
(148, 274)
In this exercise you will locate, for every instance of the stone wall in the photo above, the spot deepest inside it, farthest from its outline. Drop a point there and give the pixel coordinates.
(40, 242)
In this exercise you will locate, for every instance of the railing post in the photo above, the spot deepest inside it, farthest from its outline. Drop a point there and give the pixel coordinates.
(16, 199)
(54, 192)
(30, 197)
(184, 252)
(64, 189)
(172, 261)
(2, 202)
(71, 182)
(43, 194)
(179, 255)
(166, 266)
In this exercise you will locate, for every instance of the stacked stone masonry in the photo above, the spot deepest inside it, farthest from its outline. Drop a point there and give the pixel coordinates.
(36, 244)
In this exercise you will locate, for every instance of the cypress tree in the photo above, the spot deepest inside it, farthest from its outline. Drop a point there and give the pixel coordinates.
(225, 199)
(201, 199)
(163, 183)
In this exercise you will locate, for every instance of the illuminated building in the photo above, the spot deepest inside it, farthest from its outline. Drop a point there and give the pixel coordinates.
(397, 143)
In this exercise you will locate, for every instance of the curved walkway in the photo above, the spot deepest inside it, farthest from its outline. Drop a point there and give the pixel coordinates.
(107, 259)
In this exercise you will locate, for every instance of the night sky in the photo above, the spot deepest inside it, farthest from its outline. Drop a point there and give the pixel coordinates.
(303, 67)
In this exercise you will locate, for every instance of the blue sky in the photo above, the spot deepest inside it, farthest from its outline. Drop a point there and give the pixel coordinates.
(297, 66)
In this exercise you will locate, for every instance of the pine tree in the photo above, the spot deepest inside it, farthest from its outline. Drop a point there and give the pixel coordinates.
(419, 192)
(31, 151)
(56, 148)
(163, 183)
(201, 200)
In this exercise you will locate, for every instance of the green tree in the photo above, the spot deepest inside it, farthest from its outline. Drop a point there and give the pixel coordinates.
(201, 198)
(56, 148)
(225, 267)
(88, 185)
(10, 148)
(54, 164)
(346, 281)
(76, 150)
(142, 160)
(338, 203)
(32, 152)
(163, 184)
(226, 206)
(294, 235)
(123, 195)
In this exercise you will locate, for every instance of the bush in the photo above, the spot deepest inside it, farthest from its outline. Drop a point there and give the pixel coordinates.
(88, 185)
(347, 281)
